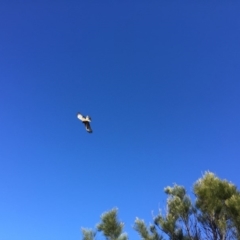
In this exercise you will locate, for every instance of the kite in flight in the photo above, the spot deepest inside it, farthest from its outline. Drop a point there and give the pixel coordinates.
(86, 121)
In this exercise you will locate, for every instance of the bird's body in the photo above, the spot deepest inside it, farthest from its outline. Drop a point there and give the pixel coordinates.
(86, 121)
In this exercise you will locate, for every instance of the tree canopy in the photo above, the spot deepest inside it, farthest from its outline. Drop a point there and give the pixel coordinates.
(213, 214)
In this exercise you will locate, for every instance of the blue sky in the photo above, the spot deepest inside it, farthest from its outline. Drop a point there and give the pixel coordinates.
(161, 82)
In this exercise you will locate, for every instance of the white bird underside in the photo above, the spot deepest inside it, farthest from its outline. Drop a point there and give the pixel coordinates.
(86, 121)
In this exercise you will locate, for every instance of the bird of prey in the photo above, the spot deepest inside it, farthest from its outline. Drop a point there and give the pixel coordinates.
(86, 121)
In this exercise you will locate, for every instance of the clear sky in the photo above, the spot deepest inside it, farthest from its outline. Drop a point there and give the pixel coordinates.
(161, 81)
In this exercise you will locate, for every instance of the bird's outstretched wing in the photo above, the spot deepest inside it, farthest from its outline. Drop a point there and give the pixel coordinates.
(80, 117)
(88, 127)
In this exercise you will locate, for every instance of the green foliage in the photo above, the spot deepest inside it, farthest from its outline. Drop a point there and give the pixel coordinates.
(144, 232)
(233, 204)
(214, 215)
(88, 234)
(218, 205)
(111, 227)
(178, 219)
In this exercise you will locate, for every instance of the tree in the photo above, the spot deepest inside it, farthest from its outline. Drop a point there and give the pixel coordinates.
(214, 215)
(218, 207)
(88, 234)
(110, 227)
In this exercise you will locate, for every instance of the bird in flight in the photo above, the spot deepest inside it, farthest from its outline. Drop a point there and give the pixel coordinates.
(86, 121)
